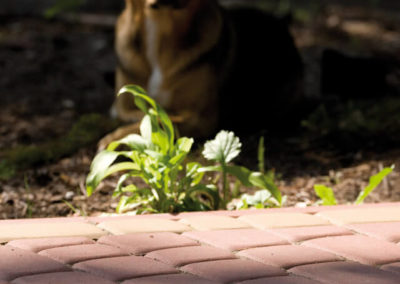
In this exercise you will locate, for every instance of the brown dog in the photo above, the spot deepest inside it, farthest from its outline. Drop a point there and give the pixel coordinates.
(211, 66)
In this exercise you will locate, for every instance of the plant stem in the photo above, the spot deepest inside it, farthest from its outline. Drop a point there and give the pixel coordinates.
(224, 186)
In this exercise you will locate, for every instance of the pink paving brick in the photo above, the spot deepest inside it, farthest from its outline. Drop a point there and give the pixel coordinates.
(73, 254)
(185, 255)
(299, 234)
(345, 272)
(147, 242)
(125, 267)
(232, 270)
(37, 245)
(237, 239)
(15, 262)
(393, 267)
(389, 231)
(283, 220)
(62, 278)
(170, 279)
(288, 256)
(213, 222)
(281, 280)
(359, 248)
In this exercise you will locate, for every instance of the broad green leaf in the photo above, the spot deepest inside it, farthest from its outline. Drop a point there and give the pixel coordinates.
(184, 144)
(241, 173)
(133, 141)
(146, 128)
(98, 169)
(374, 181)
(223, 149)
(263, 182)
(326, 194)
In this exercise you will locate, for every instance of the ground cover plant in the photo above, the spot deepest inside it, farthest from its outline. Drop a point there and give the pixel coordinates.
(327, 195)
(159, 158)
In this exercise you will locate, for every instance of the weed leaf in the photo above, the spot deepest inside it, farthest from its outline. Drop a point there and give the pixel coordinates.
(374, 181)
(326, 194)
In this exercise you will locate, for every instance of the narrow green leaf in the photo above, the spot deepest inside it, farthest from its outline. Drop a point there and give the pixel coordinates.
(374, 181)
(98, 169)
(326, 194)
(133, 141)
(146, 128)
(263, 182)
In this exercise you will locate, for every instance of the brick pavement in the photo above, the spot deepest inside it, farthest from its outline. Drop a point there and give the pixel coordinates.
(341, 244)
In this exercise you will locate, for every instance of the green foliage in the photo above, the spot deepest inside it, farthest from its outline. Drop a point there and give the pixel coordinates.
(327, 195)
(158, 158)
(374, 181)
(87, 130)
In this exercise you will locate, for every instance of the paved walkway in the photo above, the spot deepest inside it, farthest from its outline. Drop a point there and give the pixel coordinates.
(341, 244)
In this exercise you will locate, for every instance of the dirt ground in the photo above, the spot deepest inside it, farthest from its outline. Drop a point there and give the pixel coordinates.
(54, 72)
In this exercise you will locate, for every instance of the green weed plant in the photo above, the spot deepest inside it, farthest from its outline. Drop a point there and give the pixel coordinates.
(327, 196)
(158, 158)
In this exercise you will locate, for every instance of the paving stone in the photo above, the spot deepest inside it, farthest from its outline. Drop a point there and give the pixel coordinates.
(281, 280)
(10, 232)
(288, 255)
(232, 270)
(125, 267)
(363, 215)
(345, 272)
(185, 255)
(389, 231)
(149, 225)
(15, 262)
(170, 279)
(73, 254)
(234, 240)
(359, 248)
(210, 222)
(62, 278)
(282, 220)
(299, 234)
(37, 245)
(146, 242)
(393, 267)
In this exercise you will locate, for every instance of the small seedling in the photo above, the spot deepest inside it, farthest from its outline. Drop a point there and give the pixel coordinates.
(327, 195)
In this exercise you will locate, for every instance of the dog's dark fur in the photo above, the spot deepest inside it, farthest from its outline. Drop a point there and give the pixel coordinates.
(214, 67)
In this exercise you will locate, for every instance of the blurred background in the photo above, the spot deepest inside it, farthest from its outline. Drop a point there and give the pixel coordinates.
(56, 86)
